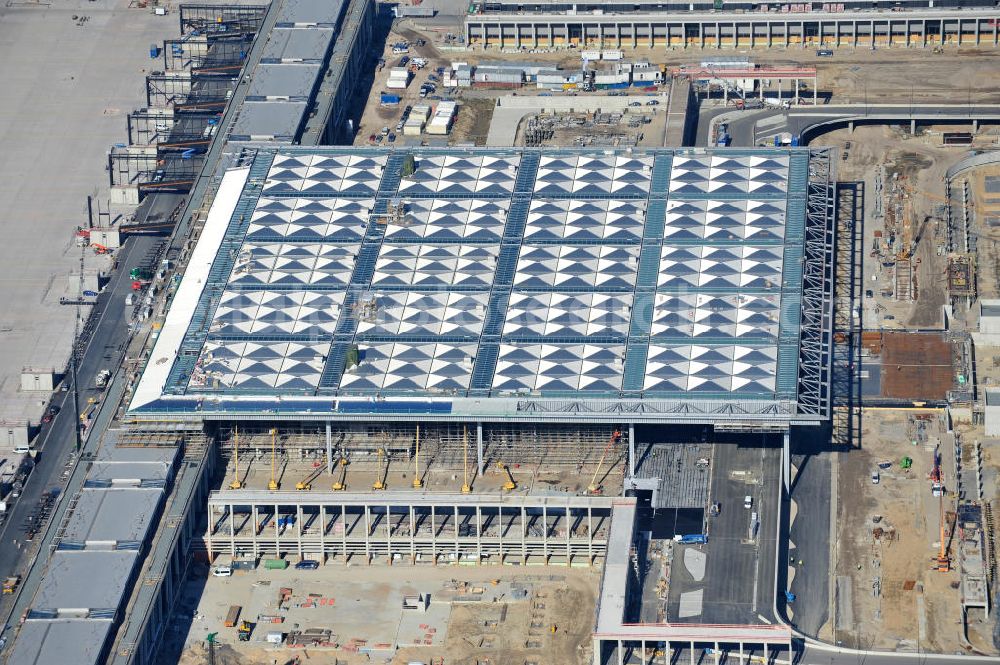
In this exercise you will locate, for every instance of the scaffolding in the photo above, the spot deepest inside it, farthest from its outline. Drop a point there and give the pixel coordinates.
(442, 445)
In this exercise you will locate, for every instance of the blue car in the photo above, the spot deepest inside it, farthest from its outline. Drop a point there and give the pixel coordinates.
(307, 564)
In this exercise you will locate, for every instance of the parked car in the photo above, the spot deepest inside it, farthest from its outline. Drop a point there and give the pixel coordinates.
(222, 571)
(307, 564)
(748, 502)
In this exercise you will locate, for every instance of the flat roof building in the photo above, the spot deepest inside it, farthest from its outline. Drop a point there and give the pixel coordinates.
(504, 285)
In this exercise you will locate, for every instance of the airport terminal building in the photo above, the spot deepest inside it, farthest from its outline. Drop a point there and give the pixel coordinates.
(505, 286)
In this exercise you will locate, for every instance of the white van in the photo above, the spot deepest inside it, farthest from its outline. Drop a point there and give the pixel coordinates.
(22, 450)
(222, 571)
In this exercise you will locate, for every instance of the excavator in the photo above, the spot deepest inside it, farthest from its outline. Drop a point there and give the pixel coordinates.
(244, 631)
(595, 487)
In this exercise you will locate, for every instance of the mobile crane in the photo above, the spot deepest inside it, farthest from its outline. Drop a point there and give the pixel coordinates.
(510, 485)
(306, 483)
(594, 487)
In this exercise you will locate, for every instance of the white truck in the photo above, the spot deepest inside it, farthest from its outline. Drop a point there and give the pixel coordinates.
(102, 378)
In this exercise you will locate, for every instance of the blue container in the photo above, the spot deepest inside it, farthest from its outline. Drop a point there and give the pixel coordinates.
(777, 141)
(154, 51)
(795, 141)
(389, 100)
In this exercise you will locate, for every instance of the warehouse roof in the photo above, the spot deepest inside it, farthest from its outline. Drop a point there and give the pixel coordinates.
(499, 274)
(284, 81)
(297, 45)
(78, 582)
(269, 121)
(61, 641)
(112, 516)
(303, 13)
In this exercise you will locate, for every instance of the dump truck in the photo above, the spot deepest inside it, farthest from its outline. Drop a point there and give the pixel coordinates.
(233, 616)
(10, 584)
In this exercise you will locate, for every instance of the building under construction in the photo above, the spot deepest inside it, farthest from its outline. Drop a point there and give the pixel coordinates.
(923, 24)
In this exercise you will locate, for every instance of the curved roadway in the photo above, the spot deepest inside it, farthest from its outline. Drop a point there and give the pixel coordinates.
(751, 127)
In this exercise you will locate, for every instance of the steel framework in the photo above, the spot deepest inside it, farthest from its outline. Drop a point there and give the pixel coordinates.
(221, 18)
(848, 320)
(815, 336)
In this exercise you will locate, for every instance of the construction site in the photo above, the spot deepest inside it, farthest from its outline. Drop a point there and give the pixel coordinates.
(914, 557)
(452, 359)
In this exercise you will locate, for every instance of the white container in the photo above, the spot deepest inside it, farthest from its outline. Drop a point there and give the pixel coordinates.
(590, 55)
(612, 55)
(275, 637)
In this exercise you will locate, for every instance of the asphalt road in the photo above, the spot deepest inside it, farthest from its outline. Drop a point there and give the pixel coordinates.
(56, 441)
(809, 533)
(751, 127)
(738, 587)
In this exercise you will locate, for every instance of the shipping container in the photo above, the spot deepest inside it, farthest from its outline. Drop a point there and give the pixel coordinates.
(590, 55)
(413, 11)
(233, 615)
(389, 100)
(275, 564)
(621, 85)
(422, 111)
(243, 564)
(611, 55)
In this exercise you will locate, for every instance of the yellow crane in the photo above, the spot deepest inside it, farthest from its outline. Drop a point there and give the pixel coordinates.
(306, 483)
(466, 487)
(341, 484)
(273, 483)
(510, 485)
(236, 484)
(594, 487)
(417, 482)
(380, 479)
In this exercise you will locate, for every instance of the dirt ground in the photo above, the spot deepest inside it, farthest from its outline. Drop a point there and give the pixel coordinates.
(986, 206)
(542, 627)
(920, 163)
(917, 607)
